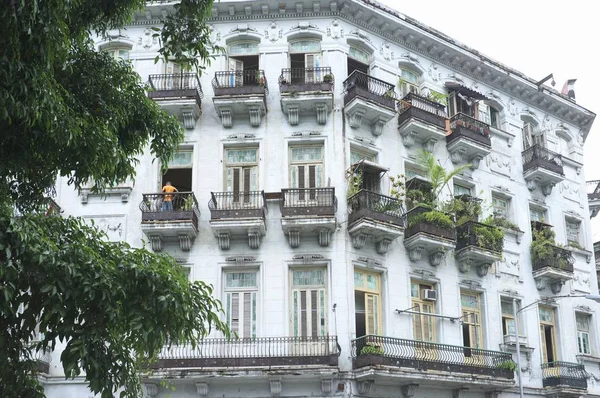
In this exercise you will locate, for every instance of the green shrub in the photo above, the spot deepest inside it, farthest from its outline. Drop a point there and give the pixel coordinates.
(504, 223)
(488, 236)
(371, 349)
(508, 365)
(434, 217)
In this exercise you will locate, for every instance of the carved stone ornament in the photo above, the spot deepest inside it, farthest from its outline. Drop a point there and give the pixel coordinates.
(408, 391)
(308, 258)
(365, 386)
(335, 31)
(202, 389)
(433, 72)
(273, 33)
(306, 133)
(326, 386)
(275, 385)
(512, 107)
(382, 245)
(386, 51)
(240, 260)
(361, 35)
(243, 28)
(147, 40)
(359, 240)
(294, 238)
(303, 25)
(324, 237)
(371, 262)
(150, 390)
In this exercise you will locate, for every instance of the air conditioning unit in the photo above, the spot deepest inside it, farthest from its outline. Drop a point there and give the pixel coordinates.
(429, 295)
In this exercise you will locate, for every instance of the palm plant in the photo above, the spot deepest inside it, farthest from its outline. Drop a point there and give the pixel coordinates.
(437, 174)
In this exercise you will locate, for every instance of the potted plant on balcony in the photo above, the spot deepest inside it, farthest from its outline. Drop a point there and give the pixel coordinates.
(371, 349)
(508, 365)
(328, 78)
(543, 248)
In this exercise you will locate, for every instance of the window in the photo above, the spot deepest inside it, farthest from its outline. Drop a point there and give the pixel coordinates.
(508, 319)
(241, 172)
(547, 334)
(306, 54)
(537, 215)
(532, 136)
(471, 319)
(572, 227)
(240, 302)
(494, 117)
(461, 190)
(411, 171)
(357, 155)
(309, 297)
(583, 333)
(358, 60)
(179, 172)
(409, 82)
(423, 325)
(367, 303)
(500, 206)
(462, 103)
(306, 166)
(118, 53)
(243, 65)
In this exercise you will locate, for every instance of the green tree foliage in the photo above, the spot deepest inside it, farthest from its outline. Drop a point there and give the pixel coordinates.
(67, 109)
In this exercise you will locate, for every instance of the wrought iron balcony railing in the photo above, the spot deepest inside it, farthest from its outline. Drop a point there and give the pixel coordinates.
(240, 82)
(564, 374)
(464, 126)
(228, 205)
(359, 84)
(415, 106)
(308, 202)
(165, 207)
(472, 233)
(538, 156)
(373, 350)
(252, 351)
(175, 86)
(306, 79)
(367, 204)
(557, 258)
(416, 223)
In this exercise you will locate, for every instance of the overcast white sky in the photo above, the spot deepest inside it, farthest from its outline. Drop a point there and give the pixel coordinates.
(535, 37)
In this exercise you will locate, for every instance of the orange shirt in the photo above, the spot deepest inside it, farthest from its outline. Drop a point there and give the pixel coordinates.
(168, 189)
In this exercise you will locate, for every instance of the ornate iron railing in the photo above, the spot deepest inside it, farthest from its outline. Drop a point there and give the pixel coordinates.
(564, 374)
(362, 85)
(467, 127)
(472, 233)
(557, 258)
(175, 86)
(413, 105)
(257, 351)
(251, 204)
(170, 207)
(367, 204)
(306, 79)
(593, 189)
(308, 202)
(538, 156)
(373, 350)
(416, 224)
(240, 82)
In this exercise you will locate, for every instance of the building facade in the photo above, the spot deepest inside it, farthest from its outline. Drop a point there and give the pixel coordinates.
(334, 286)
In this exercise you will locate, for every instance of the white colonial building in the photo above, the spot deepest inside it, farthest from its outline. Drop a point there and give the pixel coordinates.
(285, 206)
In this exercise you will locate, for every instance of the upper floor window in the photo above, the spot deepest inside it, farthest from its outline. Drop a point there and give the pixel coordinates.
(500, 206)
(309, 302)
(306, 54)
(409, 82)
(356, 155)
(508, 318)
(461, 190)
(358, 60)
(180, 171)
(117, 53)
(583, 333)
(241, 171)
(471, 318)
(572, 228)
(537, 214)
(306, 166)
(243, 65)
(367, 302)
(423, 324)
(240, 302)
(532, 135)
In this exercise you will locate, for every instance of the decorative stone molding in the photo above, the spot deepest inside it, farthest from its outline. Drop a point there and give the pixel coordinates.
(156, 243)
(365, 386)
(335, 31)
(254, 239)
(482, 269)
(370, 262)
(185, 242)
(226, 118)
(240, 260)
(293, 113)
(382, 245)
(326, 385)
(429, 145)
(294, 238)
(377, 127)
(324, 237)
(414, 253)
(255, 116)
(459, 392)
(306, 134)
(492, 394)
(273, 33)
(471, 284)
(150, 390)
(355, 119)
(189, 120)
(308, 258)
(554, 284)
(224, 240)
(436, 257)
(408, 391)
(124, 192)
(475, 161)
(425, 275)
(464, 265)
(359, 240)
(547, 189)
(241, 136)
(408, 138)
(456, 156)
(275, 385)
(202, 389)
(321, 113)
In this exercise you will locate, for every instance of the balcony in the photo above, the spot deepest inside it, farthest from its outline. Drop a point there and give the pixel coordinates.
(370, 100)
(554, 269)
(424, 235)
(240, 93)
(306, 92)
(593, 195)
(237, 214)
(564, 375)
(378, 357)
(172, 216)
(542, 168)
(469, 141)
(421, 121)
(306, 211)
(374, 216)
(179, 94)
(258, 352)
(478, 244)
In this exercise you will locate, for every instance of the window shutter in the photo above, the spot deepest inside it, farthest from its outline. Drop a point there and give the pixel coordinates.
(235, 312)
(303, 314)
(527, 135)
(417, 327)
(452, 103)
(301, 177)
(544, 345)
(247, 313)
(246, 184)
(427, 323)
(236, 180)
(372, 319)
(320, 176)
(314, 319)
(312, 176)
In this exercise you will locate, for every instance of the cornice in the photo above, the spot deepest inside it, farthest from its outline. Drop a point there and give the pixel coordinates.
(418, 38)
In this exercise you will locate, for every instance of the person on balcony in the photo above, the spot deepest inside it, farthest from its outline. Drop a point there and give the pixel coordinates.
(167, 204)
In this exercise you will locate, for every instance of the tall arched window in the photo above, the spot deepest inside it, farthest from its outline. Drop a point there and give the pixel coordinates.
(358, 59)
(243, 63)
(305, 60)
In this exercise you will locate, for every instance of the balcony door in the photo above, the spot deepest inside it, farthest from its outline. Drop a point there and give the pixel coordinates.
(242, 64)
(306, 173)
(308, 316)
(358, 60)
(173, 79)
(459, 103)
(547, 334)
(531, 136)
(471, 327)
(241, 290)
(241, 176)
(367, 303)
(305, 61)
